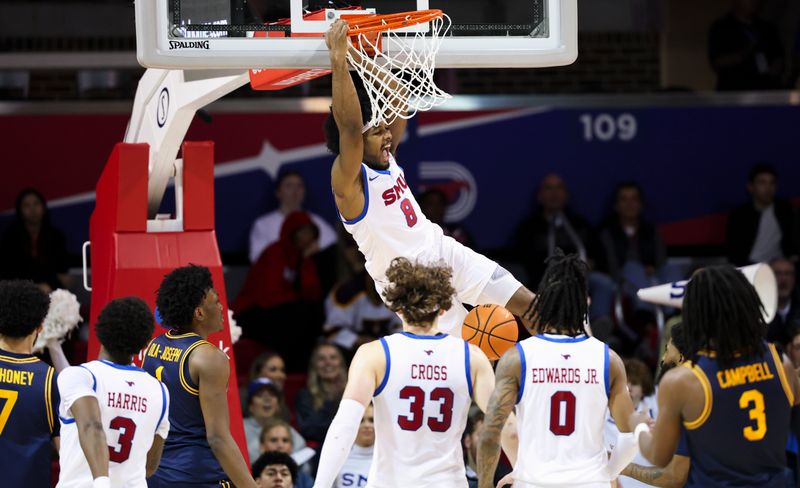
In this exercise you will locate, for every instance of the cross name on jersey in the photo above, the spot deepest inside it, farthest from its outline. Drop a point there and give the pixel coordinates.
(169, 353)
(750, 373)
(126, 401)
(429, 372)
(394, 193)
(563, 375)
(24, 378)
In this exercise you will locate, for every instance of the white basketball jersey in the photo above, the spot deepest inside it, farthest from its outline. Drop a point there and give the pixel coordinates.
(421, 409)
(561, 410)
(134, 407)
(391, 224)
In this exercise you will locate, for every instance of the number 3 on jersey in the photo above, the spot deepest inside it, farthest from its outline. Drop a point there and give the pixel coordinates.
(444, 396)
(127, 429)
(408, 211)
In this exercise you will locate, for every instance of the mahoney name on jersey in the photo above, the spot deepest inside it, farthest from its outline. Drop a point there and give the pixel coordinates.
(15, 377)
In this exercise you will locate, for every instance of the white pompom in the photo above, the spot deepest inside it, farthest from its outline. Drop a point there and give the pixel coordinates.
(236, 331)
(63, 316)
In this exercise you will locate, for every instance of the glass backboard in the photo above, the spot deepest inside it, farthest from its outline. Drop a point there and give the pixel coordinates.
(219, 34)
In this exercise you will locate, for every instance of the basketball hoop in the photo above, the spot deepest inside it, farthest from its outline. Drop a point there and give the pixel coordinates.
(397, 71)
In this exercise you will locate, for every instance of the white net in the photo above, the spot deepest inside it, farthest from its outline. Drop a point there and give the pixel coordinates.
(399, 78)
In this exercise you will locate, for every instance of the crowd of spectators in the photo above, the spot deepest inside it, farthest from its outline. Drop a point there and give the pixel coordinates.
(308, 303)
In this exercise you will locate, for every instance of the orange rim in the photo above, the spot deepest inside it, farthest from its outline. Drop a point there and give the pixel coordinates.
(365, 24)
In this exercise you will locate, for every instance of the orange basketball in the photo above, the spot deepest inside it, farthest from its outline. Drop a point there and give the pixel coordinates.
(492, 328)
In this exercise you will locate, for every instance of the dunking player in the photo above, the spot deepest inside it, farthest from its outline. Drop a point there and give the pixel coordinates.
(28, 394)
(735, 397)
(113, 415)
(422, 382)
(561, 380)
(200, 450)
(381, 213)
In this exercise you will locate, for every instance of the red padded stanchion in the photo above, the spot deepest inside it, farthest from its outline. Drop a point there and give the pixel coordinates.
(128, 260)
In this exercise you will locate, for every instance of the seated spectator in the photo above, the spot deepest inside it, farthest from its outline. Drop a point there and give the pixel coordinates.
(746, 52)
(469, 444)
(356, 469)
(317, 403)
(763, 228)
(635, 253)
(433, 203)
(290, 190)
(792, 347)
(265, 404)
(277, 437)
(285, 287)
(275, 470)
(269, 365)
(32, 248)
(640, 387)
(553, 225)
(356, 314)
(788, 314)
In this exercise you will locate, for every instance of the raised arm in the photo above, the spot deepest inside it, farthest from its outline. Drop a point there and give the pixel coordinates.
(501, 403)
(345, 175)
(362, 381)
(212, 370)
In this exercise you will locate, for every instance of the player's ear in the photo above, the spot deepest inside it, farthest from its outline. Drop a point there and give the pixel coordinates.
(442, 312)
(199, 314)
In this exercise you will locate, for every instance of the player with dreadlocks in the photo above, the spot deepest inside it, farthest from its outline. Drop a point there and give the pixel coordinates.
(734, 395)
(555, 377)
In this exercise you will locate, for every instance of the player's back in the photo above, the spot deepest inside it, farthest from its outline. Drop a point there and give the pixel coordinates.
(421, 409)
(562, 401)
(187, 454)
(133, 409)
(27, 419)
(740, 437)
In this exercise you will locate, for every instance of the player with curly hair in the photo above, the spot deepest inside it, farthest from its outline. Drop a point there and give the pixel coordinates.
(113, 415)
(200, 451)
(28, 423)
(421, 383)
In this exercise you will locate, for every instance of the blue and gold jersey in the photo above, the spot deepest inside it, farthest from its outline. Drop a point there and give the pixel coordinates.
(739, 439)
(28, 409)
(187, 456)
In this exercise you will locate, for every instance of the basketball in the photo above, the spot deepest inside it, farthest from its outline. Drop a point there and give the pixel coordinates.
(492, 328)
